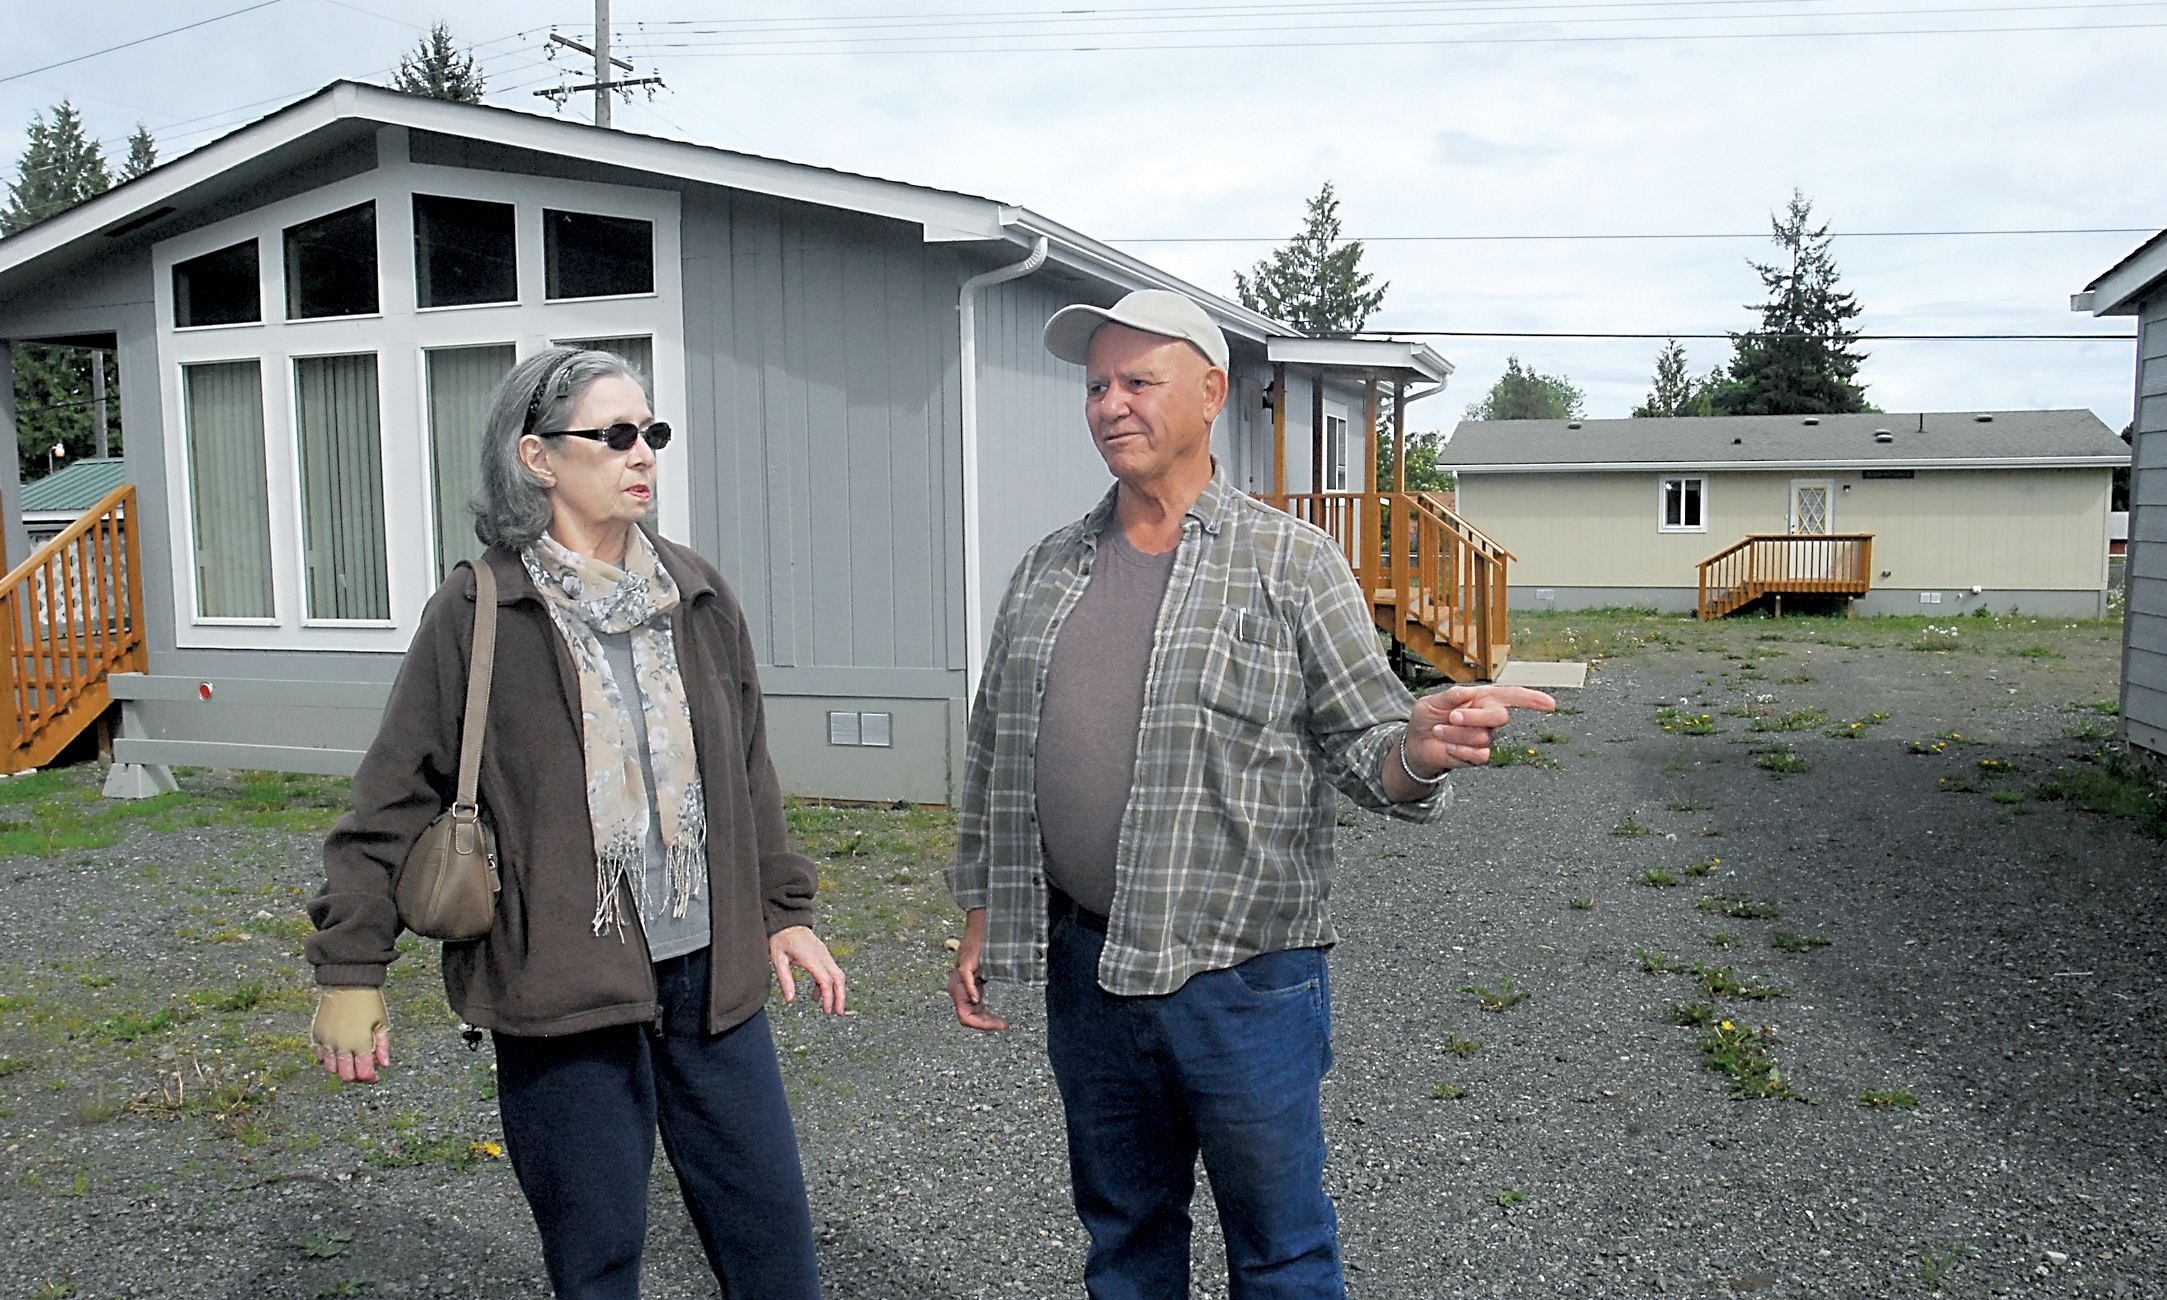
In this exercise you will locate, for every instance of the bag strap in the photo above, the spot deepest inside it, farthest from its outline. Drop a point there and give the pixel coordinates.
(480, 667)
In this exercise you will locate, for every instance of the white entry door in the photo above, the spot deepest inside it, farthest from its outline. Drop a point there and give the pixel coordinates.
(1811, 517)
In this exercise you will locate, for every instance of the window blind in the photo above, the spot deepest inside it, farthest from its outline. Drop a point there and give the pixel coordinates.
(229, 501)
(342, 488)
(461, 381)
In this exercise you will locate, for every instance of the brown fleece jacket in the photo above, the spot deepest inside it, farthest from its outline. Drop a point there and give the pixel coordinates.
(541, 970)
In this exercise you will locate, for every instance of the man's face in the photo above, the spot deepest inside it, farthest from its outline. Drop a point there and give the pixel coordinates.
(1150, 401)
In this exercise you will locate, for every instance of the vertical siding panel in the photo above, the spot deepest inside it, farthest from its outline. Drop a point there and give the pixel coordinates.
(759, 260)
(2144, 643)
(827, 470)
(913, 490)
(870, 397)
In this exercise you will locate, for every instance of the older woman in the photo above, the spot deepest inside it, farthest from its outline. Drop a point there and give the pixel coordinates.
(647, 886)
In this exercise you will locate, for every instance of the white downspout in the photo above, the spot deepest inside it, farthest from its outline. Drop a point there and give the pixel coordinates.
(974, 612)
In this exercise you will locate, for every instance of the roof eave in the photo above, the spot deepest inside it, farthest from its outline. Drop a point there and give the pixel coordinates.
(2122, 288)
(1943, 462)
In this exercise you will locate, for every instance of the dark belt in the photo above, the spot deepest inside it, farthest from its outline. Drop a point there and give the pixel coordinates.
(1059, 905)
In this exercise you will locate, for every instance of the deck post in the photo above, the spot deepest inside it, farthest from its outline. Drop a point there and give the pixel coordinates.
(1399, 435)
(1279, 431)
(1366, 526)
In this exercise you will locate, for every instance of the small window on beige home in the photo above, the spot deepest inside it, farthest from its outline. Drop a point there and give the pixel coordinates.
(1684, 505)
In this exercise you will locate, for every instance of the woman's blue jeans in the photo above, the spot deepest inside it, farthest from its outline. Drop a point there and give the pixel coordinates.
(1227, 1067)
(580, 1114)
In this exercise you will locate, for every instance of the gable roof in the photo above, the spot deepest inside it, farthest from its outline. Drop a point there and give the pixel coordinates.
(347, 112)
(1936, 440)
(76, 488)
(2117, 290)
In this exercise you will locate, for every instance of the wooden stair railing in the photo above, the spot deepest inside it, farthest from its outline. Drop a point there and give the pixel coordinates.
(1436, 584)
(71, 614)
(1778, 564)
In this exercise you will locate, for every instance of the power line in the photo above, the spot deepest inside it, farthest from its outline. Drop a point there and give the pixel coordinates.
(1866, 338)
(141, 40)
(1762, 234)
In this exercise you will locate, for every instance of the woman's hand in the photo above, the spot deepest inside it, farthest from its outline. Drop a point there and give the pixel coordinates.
(351, 1033)
(799, 946)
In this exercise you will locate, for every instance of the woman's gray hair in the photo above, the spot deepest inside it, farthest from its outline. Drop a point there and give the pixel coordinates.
(512, 508)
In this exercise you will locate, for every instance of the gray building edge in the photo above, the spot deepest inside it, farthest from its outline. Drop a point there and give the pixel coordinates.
(1880, 602)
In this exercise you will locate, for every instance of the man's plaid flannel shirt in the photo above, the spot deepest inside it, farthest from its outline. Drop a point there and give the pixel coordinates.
(1266, 689)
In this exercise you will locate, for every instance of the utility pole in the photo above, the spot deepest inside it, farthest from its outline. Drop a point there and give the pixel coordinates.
(604, 61)
(97, 394)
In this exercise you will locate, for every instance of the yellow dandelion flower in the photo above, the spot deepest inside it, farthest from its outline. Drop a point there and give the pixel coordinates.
(1727, 1025)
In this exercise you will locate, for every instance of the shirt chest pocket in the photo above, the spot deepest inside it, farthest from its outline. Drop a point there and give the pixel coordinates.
(1251, 673)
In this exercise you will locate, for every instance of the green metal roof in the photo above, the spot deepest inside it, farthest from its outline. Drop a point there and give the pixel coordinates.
(78, 487)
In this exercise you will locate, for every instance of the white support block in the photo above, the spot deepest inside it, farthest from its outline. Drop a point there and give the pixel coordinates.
(139, 781)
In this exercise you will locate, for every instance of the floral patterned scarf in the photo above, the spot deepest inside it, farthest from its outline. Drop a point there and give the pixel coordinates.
(586, 597)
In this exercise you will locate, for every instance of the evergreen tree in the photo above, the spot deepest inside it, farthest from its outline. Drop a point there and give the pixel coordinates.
(1311, 284)
(435, 70)
(142, 153)
(1522, 394)
(54, 394)
(1676, 391)
(60, 169)
(1800, 361)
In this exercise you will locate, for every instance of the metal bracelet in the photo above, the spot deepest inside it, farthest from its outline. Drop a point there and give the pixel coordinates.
(1430, 781)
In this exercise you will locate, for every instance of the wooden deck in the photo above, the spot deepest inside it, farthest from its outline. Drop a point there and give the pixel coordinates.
(71, 614)
(1824, 564)
(1436, 584)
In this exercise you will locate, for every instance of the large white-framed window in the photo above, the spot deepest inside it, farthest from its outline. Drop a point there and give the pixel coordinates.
(326, 363)
(1682, 503)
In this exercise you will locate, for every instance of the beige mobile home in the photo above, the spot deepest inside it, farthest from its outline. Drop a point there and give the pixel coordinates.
(1916, 513)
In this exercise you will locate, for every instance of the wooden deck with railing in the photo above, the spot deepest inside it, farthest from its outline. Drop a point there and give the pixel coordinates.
(1436, 584)
(71, 614)
(1769, 564)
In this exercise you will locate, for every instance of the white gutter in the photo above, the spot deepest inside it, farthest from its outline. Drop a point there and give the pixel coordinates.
(974, 611)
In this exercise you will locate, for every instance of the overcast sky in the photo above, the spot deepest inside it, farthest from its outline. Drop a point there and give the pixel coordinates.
(1151, 125)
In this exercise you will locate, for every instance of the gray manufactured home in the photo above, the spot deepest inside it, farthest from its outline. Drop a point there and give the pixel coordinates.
(309, 313)
(2137, 286)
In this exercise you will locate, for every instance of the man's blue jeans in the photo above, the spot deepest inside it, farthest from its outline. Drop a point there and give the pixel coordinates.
(1228, 1067)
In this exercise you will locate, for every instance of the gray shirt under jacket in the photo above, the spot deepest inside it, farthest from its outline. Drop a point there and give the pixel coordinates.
(667, 936)
(1092, 715)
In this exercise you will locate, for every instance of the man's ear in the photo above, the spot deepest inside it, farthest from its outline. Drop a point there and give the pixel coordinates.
(1215, 384)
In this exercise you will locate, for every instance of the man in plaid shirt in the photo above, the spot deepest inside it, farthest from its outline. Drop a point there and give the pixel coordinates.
(1175, 686)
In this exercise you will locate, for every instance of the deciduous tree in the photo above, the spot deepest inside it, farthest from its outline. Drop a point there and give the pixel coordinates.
(1522, 394)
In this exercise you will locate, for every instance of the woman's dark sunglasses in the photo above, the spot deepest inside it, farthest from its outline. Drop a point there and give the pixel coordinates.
(620, 436)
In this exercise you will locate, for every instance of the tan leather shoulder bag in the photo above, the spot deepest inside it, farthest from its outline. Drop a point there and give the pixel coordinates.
(447, 887)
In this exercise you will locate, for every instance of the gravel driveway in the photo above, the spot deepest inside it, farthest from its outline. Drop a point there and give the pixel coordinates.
(1987, 962)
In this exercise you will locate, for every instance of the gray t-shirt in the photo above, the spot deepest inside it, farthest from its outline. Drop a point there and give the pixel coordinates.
(667, 936)
(1092, 714)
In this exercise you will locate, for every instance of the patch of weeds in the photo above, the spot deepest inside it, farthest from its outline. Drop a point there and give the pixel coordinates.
(244, 997)
(2114, 789)
(1657, 963)
(1782, 760)
(1582, 904)
(2007, 796)
(2036, 652)
(1508, 1199)
(1788, 942)
(1936, 1263)
(1926, 747)
(1553, 738)
(1657, 879)
(1459, 1046)
(1503, 997)
(1449, 1092)
(330, 1245)
(54, 1289)
(1686, 724)
(2092, 729)
(1741, 906)
(1514, 756)
(1888, 1099)
(1961, 783)
(1795, 720)
(1741, 1052)
(1996, 766)
(1958, 738)
(1723, 984)
(1566, 708)
(99, 1109)
(1630, 829)
(1687, 805)
(131, 1025)
(1720, 939)
(1938, 638)
(14, 1065)
(2112, 708)
(1705, 868)
(1853, 730)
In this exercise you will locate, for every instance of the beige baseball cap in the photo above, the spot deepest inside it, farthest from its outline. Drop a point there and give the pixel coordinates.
(1154, 311)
